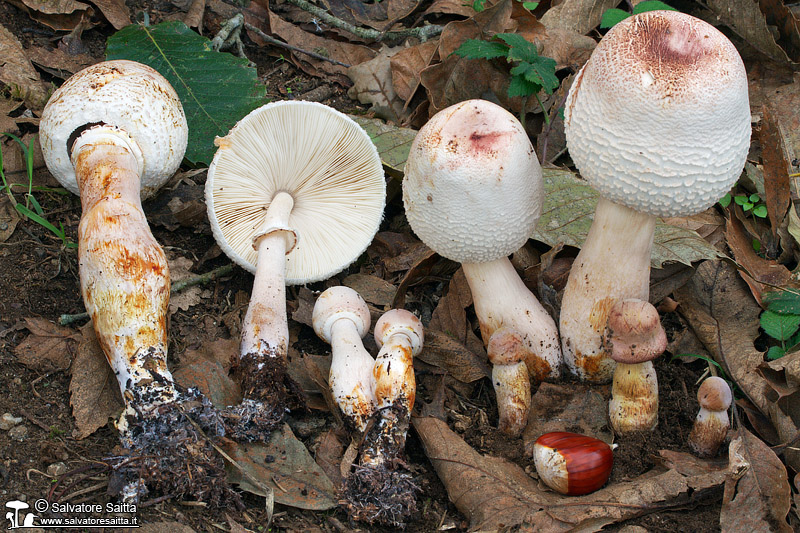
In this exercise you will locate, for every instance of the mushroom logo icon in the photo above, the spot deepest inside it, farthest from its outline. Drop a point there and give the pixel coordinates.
(18, 506)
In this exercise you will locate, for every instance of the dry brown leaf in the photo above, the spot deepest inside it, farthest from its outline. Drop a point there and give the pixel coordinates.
(372, 84)
(114, 11)
(49, 347)
(164, 527)
(94, 391)
(783, 378)
(358, 13)
(423, 261)
(760, 274)
(568, 48)
(179, 270)
(719, 308)
(56, 7)
(194, 15)
(17, 72)
(494, 493)
(709, 224)
(373, 289)
(9, 217)
(574, 407)
(61, 15)
(746, 19)
(780, 16)
(443, 351)
(786, 98)
(579, 16)
(329, 453)
(757, 499)
(450, 314)
(776, 170)
(407, 65)
(207, 369)
(451, 7)
(58, 61)
(7, 123)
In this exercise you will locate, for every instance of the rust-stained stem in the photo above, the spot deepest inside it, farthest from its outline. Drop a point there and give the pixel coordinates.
(352, 386)
(265, 329)
(123, 270)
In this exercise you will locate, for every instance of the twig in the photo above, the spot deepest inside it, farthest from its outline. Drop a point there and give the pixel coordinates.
(276, 42)
(176, 287)
(423, 33)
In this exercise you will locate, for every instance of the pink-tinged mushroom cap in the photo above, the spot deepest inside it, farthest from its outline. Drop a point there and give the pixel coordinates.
(658, 119)
(336, 303)
(714, 394)
(635, 332)
(400, 321)
(132, 98)
(473, 186)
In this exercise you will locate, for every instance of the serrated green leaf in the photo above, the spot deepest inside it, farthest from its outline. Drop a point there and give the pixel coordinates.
(519, 86)
(216, 89)
(393, 143)
(569, 210)
(775, 352)
(778, 326)
(787, 302)
(542, 73)
(479, 49)
(651, 5)
(612, 17)
(521, 48)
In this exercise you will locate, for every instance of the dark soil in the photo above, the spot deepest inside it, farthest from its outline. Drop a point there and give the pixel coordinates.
(39, 278)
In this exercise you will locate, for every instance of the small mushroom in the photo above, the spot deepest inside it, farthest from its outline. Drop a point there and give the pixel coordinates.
(712, 423)
(295, 194)
(341, 318)
(658, 122)
(512, 385)
(114, 133)
(473, 192)
(636, 337)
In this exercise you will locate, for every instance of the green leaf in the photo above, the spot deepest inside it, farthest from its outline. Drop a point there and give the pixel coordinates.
(760, 211)
(785, 302)
(530, 6)
(569, 209)
(519, 86)
(755, 198)
(740, 199)
(393, 143)
(479, 49)
(725, 201)
(612, 17)
(521, 48)
(775, 352)
(542, 73)
(747, 206)
(778, 326)
(651, 5)
(216, 89)
(756, 245)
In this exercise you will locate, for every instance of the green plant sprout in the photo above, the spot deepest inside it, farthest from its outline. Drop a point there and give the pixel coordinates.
(749, 203)
(781, 321)
(480, 5)
(614, 15)
(532, 72)
(35, 214)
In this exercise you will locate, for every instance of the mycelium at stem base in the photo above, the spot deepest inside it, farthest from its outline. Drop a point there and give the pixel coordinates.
(613, 264)
(267, 388)
(502, 300)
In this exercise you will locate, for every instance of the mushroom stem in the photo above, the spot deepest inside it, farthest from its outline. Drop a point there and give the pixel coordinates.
(351, 380)
(613, 264)
(502, 300)
(510, 378)
(634, 398)
(265, 330)
(123, 270)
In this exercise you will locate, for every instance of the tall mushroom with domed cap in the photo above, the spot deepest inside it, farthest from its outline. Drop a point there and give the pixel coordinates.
(295, 194)
(658, 122)
(473, 192)
(114, 133)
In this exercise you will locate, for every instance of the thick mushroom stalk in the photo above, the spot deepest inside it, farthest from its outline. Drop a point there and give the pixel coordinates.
(295, 194)
(636, 337)
(658, 122)
(114, 133)
(473, 193)
(712, 423)
(341, 318)
(380, 490)
(512, 386)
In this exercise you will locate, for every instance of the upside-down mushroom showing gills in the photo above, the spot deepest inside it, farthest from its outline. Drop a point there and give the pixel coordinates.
(658, 122)
(295, 194)
(114, 133)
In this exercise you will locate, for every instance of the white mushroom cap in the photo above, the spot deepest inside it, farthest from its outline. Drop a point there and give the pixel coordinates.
(337, 303)
(658, 119)
(324, 160)
(473, 186)
(401, 321)
(127, 96)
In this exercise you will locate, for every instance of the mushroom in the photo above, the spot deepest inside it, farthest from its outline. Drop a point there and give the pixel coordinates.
(512, 386)
(114, 133)
(658, 122)
(635, 337)
(712, 423)
(295, 194)
(379, 490)
(473, 192)
(341, 318)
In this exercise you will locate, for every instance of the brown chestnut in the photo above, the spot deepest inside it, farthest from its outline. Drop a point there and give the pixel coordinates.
(572, 464)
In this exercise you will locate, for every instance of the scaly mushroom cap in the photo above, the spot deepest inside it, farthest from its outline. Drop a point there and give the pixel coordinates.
(323, 159)
(473, 186)
(401, 321)
(128, 96)
(634, 331)
(658, 119)
(714, 394)
(336, 303)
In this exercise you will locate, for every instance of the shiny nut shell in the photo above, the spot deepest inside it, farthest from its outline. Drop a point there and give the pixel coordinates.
(572, 464)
